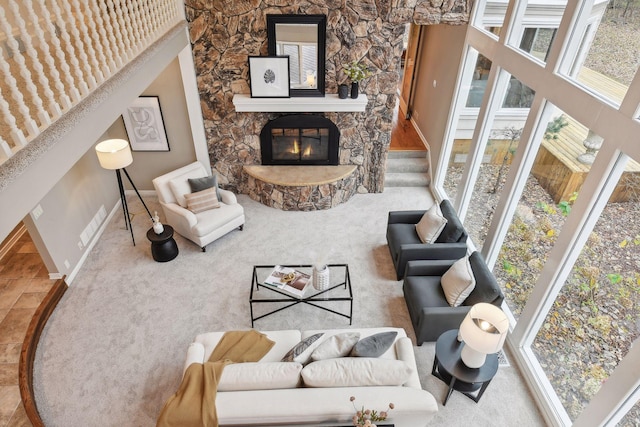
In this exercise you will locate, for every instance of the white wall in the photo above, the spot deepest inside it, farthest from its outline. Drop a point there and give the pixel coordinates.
(438, 61)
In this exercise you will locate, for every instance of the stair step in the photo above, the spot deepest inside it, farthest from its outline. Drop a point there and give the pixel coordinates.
(407, 180)
(405, 154)
(409, 164)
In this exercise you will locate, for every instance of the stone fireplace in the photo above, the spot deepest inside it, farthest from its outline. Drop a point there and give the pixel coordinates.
(300, 139)
(224, 34)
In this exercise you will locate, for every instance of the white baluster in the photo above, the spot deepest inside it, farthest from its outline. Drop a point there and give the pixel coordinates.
(54, 107)
(29, 123)
(165, 13)
(5, 149)
(149, 18)
(73, 91)
(125, 35)
(174, 12)
(106, 34)
(143, 22)
(80, 46)
(152, 6)
(62, 26)
(92, 37)
(119, 49)
(131, 30)
(16, 134)
(159, 5)
(43, 115)
(136, 25)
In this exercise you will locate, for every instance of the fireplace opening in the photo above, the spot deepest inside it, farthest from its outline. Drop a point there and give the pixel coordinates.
(300, 140)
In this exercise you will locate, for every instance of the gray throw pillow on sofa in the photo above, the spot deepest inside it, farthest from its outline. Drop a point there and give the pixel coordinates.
(374, 345)
(199, 184)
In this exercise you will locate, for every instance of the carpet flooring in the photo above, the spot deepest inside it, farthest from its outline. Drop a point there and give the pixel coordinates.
(113, 350)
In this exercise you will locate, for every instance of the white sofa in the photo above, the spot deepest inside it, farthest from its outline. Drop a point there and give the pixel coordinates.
(327, 406)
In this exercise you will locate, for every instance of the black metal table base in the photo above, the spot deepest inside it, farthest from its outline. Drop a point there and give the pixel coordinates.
(293, 300)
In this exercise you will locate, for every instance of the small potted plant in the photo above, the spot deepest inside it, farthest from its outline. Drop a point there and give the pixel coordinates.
(356, 72)
(366, 417)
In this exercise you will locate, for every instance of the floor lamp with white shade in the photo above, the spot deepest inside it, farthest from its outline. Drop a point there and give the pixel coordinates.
(115, 154)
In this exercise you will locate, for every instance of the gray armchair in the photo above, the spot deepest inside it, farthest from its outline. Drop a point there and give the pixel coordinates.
(430, 313)
(405, 245)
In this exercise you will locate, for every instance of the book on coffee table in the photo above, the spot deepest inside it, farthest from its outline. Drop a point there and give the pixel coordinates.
(289, 279)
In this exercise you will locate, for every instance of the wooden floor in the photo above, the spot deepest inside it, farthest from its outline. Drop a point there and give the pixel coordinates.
(403, 135)
(24, 283)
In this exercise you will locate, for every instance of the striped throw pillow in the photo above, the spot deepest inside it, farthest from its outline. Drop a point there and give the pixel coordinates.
(202, 200)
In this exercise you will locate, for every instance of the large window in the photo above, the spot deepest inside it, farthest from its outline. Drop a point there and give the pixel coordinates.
(542, 209)
(552, 199)
(596, 316)
(518, 95)
(607, 51)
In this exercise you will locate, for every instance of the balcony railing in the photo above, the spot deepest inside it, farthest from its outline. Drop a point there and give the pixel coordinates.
(55, 53)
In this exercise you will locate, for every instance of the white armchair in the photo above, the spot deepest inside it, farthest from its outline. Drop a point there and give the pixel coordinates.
(204, 227)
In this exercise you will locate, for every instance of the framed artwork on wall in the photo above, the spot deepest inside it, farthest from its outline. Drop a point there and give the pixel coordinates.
(269, 76)
(145, 126)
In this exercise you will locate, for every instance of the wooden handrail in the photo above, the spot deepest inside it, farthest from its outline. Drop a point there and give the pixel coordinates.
(29, 346)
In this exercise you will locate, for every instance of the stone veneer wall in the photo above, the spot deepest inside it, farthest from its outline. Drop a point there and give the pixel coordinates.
(225, 33)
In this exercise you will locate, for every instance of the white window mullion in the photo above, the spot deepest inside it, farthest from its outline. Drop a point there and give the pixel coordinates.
(459, 100)
(492, 101)
(530, 140)
(631, 103)
(512, 27)
(617, 395)
(570, 36)
(561, 39)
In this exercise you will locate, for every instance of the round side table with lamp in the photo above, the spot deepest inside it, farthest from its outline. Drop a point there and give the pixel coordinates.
(466, 358)
(449, 367)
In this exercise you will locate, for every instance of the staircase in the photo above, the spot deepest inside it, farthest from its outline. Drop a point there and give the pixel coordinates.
(407, 169)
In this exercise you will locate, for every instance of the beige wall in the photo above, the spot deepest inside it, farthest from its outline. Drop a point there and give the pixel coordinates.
(439, 59)
(75, 199)
(38, 167)
(146, 164)
(68, 208)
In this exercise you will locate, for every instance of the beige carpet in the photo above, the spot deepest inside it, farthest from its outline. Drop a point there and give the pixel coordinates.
(113, 350)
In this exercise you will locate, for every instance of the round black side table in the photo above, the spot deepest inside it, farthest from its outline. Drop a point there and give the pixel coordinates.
(449, 367)
(163, 246)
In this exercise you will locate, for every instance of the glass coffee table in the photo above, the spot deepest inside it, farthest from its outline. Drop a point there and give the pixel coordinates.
(339, 289)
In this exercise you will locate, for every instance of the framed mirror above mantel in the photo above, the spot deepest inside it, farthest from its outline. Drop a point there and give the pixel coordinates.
(303, 39)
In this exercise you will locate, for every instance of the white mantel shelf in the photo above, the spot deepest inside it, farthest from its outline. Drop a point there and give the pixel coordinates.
(328, 103)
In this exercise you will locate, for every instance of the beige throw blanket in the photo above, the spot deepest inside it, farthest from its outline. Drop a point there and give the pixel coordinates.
(193, 405)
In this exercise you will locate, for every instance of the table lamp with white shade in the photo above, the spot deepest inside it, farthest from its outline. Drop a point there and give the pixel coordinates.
(482, 332)
(115, 154)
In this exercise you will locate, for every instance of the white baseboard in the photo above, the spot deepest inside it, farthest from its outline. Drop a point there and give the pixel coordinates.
(99, 232)
(92, 243)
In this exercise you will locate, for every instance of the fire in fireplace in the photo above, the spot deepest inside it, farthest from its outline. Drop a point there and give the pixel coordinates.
(300, 139)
